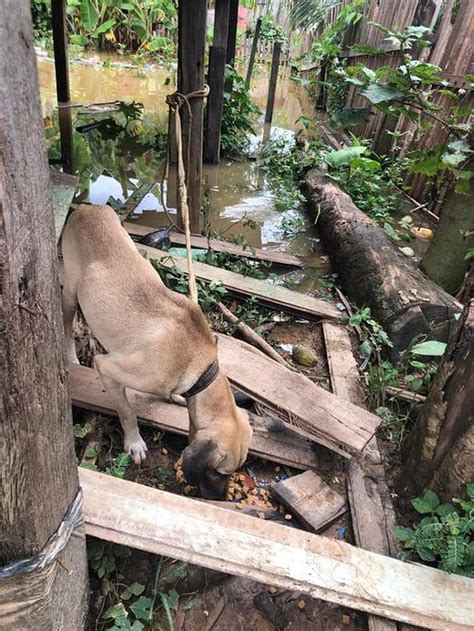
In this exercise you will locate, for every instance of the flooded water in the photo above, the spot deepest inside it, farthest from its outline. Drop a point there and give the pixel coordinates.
(236, 189)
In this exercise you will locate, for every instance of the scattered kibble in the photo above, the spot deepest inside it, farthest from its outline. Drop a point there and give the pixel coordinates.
(261, 515)
(272, 590)
(346, 619)
(288, 517)
(301, 605)
(164, 451)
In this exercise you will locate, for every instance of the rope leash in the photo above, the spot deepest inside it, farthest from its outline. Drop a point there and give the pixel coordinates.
(176, 102)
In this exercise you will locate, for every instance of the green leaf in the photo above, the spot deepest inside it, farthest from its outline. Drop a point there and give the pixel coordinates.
(78, 40)
(343, 157)
(432, 499)
(421, 506)
(141, 608)
(366, 349)
(135, 589)
(173, 599)
(470, 490)
(402, 533)
(89, 14)
(432, 349)
(444, 509)
(425, 553)
(463, 184)
(104, 27)
(118, 613)
(378, 93)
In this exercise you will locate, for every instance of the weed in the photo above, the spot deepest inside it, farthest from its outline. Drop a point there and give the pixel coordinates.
(443, 537)
(239, 264)
(119, 465)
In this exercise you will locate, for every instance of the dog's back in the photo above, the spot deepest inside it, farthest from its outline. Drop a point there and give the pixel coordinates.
(120, 293)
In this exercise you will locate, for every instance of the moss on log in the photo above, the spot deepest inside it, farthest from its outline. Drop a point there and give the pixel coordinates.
(374, 272)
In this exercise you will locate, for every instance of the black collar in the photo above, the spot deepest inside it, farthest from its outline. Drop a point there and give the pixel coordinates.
(204, 380)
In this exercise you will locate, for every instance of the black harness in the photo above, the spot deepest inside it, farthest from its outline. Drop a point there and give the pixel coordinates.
(204, 380)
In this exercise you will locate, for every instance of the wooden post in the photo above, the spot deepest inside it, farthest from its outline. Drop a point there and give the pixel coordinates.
(38, 469)
(215, 102)
(273, 81)
(58, 13)
(192, 15)
(231, 40)
(256, 36)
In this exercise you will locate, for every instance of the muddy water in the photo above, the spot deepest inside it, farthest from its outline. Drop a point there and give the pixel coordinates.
(237, 189)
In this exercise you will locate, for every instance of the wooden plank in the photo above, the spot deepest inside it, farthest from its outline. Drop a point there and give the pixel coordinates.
(342, 366)
(371, 517)
(277, 446)
(58, 19)
(64, 188)
(312, 500)
(306, 408)
(231, 40)
(266, 293)
(162, 523)
(177, 238)
(256, 36)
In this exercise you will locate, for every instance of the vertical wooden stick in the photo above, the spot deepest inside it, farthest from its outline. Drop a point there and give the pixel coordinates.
(256, 36)
(231, 40)
(273, 81)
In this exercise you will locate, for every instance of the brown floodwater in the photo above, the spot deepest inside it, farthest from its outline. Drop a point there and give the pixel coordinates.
(237, 189)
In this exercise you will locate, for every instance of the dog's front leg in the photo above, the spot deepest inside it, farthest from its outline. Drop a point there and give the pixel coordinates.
(111, 374)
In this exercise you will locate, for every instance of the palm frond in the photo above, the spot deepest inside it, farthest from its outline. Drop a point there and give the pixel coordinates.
(308, 14)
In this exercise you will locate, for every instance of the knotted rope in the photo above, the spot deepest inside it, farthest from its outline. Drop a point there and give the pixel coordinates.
(176, 102)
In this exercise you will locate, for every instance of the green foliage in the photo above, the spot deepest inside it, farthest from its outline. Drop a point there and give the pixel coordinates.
(173, 278)
(412, 91)
(308, 14)
(373, 336)
(117, 146)
(237, 117)
(119, 465)
(114, 24)
(271, 31)
(443, 537)
(239, 264)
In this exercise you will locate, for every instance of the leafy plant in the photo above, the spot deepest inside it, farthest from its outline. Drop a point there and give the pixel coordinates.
(271, 31)
(411, 91)
(237, 117)
(443, 537)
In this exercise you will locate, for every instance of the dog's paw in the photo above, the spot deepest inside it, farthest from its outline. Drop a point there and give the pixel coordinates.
(136, 449)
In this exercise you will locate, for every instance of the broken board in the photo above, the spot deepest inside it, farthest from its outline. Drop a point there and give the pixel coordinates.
(307, 496)
(266, 293)
(64, 188)
(305, 407)
(277, 446)
(141, 517)
(270, 256)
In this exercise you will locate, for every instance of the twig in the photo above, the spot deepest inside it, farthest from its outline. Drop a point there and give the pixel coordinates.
(252, 336)
(406, 395)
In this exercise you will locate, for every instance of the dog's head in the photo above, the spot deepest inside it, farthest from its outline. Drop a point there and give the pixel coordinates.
(214, 454)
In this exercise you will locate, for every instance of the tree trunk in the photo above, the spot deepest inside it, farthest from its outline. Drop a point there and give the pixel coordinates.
(445, 260)
(374, 272)
(38, 469)
(440, 452)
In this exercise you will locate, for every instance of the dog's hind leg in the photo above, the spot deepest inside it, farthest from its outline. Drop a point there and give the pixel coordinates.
(69, 300)
(114, 377)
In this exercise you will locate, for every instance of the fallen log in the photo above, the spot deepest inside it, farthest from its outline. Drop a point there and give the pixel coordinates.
(374, 272)
(162, 523)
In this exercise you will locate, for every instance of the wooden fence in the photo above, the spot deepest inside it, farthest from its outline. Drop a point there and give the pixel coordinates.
(452, 22)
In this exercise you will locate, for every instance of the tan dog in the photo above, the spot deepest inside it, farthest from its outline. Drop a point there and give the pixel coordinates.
(157, 341)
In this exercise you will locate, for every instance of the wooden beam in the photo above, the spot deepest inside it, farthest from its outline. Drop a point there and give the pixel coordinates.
(277, 446)
(231, 40)
(313, 501)
(306, 408)
(58, 15)
(192, 16)
(162, 523)
(273, 81)
(266, 293)
(253, 51)
(177, 238)
(36, 439)
(372, 517)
